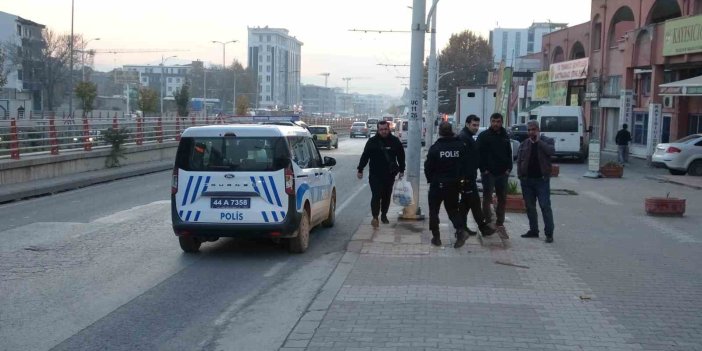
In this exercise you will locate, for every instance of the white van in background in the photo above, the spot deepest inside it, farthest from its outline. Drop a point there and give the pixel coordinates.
(565, 124)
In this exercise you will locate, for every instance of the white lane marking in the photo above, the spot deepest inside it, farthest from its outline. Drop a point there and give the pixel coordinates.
(678, 235)
(601, 198)
(348, 201)
(275, 269)
(123, 216)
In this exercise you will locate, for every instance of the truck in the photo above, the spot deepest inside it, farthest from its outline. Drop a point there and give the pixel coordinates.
(475, 100)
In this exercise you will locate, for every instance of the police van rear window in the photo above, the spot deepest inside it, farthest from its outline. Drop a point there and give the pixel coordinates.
(226, 154)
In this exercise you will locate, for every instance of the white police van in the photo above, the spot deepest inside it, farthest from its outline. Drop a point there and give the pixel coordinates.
(250, 181)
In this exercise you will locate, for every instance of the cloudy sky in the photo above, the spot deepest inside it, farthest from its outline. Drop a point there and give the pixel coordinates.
(322, 25)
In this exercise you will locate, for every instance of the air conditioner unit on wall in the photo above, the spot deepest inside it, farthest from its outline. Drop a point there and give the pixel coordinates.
(668, 102)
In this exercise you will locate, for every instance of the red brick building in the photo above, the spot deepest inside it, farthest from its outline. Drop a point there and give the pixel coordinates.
(633, 47)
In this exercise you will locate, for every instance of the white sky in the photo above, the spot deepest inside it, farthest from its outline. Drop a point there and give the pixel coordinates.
(322, 25)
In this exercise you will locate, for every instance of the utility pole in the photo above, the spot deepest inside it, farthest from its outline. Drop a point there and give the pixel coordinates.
(204, 90)
(414, 212)
(70, 68)
(324, 94)
(224, 68)
(162, 86)
(433, 82)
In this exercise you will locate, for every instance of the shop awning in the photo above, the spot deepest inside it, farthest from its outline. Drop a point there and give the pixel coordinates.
(685, 87)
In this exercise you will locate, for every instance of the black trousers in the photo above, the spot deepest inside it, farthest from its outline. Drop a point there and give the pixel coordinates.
(498, 185)
(448, 194)
(470, 201)
(381, 188)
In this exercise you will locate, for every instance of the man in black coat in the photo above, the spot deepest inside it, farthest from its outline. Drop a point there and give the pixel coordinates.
(470, 199)
(387, 161)
(623, 139)
(445, 170)
(495, 149)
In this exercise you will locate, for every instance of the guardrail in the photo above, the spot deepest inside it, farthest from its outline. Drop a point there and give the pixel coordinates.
(52, 136)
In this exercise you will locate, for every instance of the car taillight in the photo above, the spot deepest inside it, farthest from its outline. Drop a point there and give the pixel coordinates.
(174, 181)
(365, 129)
(673, 150)
(289, 181)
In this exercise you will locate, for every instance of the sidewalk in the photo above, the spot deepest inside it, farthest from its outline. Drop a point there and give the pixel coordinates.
(16, 191)
(392, 290)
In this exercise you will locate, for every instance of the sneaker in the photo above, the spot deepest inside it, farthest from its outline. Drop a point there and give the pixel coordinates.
(549, 239)
(436, 241)
(374, 222)
(530, 234)
(460, 239)
(384, 219)
(487, 230)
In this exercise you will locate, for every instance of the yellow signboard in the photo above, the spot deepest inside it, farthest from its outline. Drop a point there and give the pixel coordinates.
(542, 86)
(683, 36)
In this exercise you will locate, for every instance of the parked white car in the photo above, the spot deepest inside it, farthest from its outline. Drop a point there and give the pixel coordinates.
(681, 156)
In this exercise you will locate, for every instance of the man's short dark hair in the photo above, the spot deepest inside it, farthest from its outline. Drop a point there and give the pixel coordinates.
(496, 115)
(472, 118)
(445, 129)
(625, 126)
(382, 123)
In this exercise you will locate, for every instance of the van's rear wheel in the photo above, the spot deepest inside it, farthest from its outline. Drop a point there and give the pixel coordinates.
(189, 244)
(331, 218)
(301, 242)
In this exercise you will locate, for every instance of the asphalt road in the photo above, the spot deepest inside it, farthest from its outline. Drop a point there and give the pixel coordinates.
(99, 268)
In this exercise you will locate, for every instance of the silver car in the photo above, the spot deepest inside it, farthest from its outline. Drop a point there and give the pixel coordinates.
(681, 156)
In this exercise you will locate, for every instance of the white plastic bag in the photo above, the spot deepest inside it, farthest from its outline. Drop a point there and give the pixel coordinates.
(402, 193)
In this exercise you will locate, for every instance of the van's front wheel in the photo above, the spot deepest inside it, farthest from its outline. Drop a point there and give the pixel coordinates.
(300, 243)
(189, 244)
(329, 222)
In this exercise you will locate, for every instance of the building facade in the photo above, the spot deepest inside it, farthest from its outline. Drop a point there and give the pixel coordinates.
(23, 90)
(318, 100)
(637, 54)
(508, 44)
(170, 78)
(275, 59)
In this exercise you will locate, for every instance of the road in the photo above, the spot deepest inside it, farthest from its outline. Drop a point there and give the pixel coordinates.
(99, 268)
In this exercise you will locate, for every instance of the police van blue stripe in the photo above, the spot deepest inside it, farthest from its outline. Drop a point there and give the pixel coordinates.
(197, 187)
(207, 182)
(275, 216)
(253, 182)
(275, 191)
(265, 188)
(265, 216)
(197, 216)
(180, 214)
(282, 214)
(187, 216)
(187, 191)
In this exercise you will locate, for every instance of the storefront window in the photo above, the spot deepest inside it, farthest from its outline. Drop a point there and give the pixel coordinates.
(640, 128)
(695, 124)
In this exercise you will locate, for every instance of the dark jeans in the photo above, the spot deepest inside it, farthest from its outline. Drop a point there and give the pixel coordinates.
(381, 187)
(533, 189)
(448, 194)
(498, 185)
(470, 201)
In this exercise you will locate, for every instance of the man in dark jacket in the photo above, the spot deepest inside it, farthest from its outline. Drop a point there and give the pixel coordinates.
(622, 139)
(444, 169)
(495, 165)
(534, 172)
(387, 160)
(470, 200)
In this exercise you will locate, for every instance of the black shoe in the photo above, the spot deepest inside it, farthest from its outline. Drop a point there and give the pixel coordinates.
(549, 239)
(530, 234)
(487, 231)
(460, 239)
(436, 241)
(471, 232)
(384, 219)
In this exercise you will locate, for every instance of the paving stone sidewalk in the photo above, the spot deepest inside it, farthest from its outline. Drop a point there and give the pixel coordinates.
(394, 291)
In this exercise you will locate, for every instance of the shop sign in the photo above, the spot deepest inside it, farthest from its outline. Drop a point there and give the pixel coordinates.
(683, 36)
(543, 86)
(655, 119)
(568, 70)
(558, 94)
(626, 109)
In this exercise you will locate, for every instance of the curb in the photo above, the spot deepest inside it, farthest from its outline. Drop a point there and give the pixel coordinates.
(52, 186)
(666, 180)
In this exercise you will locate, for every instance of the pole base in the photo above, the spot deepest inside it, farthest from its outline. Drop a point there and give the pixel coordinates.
(592, 174)
(406, 215)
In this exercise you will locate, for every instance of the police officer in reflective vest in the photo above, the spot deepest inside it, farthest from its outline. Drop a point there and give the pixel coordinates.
(445, 170)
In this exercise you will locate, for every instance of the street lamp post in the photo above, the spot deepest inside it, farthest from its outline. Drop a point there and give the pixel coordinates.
(82, 51)
(163, 83)
(224, 67)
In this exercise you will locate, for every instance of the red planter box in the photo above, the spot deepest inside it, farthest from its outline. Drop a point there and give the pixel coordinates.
(555, 170)
(664, 206)
(612, 172)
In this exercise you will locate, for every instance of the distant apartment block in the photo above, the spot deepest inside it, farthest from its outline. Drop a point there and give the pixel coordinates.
(275, 58)
(509, 44)
(174, 77)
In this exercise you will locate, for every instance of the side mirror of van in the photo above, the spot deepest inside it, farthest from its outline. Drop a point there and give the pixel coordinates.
(314, 136)
(329, 161)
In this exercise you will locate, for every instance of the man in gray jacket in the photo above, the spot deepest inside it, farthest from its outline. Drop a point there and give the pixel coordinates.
(534, 172)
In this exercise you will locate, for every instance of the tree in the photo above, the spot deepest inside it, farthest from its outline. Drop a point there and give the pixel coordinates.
(469, 56)
(182, 98)
(242, 105)
(3, 74)
(147, 101)
(86, 92)
(220, 82)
